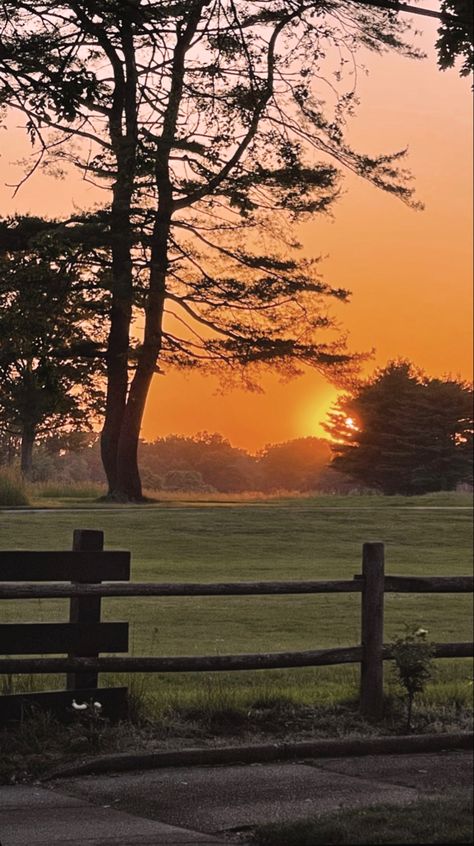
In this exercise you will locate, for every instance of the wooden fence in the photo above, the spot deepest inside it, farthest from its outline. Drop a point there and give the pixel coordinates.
(94, 574)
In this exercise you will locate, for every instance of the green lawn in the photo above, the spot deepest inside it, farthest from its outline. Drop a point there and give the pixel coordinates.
(300, 539)
(440, 820)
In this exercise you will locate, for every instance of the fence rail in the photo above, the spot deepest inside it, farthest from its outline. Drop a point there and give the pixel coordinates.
(85, 636)
(392, 584)
(214, 663)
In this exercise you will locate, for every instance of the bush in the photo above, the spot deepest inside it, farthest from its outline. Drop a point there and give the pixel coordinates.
(412, 654)
(185, 481)
(12, 489)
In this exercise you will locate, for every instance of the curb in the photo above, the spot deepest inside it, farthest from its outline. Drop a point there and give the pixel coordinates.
(264, 753)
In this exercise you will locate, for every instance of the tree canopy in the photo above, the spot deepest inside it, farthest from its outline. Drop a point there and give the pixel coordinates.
(404, 432)
(49, 325)
(456, 35)
(214, 126)
(295, 464)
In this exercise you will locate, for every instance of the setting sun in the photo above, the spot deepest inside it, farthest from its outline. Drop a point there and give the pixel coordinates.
(351, 424)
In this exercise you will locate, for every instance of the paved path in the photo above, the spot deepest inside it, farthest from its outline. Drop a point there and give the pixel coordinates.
(36, 816)
(168, 806)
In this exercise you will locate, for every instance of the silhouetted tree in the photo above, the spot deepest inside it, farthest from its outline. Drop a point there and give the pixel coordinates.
(206, 123)
(294, 465)
(456, 35)
(48, 328)
(214, 461)
(402, 432)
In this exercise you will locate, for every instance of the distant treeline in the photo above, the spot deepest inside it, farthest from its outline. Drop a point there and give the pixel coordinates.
(201, 463)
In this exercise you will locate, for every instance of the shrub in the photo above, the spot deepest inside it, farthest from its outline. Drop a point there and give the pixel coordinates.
(185, 480)
(412, 654)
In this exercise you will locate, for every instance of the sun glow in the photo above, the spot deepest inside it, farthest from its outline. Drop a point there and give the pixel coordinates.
(350, 424)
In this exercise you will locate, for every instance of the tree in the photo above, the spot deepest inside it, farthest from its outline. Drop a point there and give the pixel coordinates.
(210, 457)
(456, 36)
(205, 120)
(47, 324)
(294, 465)
(404, 433)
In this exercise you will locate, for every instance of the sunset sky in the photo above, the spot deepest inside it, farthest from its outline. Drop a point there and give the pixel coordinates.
(410, 272)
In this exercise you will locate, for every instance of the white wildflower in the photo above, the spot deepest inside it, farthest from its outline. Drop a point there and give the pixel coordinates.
(79, 706)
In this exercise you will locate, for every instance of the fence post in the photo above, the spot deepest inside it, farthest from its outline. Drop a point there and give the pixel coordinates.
(85, 609)
(371, 673)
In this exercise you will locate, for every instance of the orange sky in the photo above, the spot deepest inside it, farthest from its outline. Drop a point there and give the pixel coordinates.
(410, 272)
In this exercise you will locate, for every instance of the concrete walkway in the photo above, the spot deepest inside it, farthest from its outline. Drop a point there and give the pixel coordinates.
(169, 806)
(36, 816)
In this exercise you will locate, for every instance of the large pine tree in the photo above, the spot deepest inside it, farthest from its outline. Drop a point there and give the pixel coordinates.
(402, 432)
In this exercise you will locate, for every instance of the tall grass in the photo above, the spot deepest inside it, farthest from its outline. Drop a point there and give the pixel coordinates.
(66, 490)
(12, 489)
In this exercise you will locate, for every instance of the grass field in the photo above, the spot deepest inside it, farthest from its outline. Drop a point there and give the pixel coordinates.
(282, 539)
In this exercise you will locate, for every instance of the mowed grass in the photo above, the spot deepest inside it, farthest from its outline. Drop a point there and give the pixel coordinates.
(440, 820)
(294, 539)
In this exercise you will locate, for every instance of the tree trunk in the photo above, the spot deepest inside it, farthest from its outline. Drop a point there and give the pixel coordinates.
(128, 484)
(117, 384)
(27, 442)
(127, 480)
(125, 149)
(120, 313)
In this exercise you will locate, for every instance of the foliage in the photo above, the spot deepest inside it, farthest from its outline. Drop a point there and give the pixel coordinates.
(204, 462)
(412, 654)
(403, 432)
(215, 127)
(219, 465)
(185, 480)
(68, 458)
(456, 36)
(49, 327)
(294, 465)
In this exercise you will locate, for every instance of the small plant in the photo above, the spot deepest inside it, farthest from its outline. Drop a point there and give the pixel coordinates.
(90, 726)
(412, 654)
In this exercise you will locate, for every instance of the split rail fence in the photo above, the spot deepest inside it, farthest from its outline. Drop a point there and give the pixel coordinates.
(87, 573)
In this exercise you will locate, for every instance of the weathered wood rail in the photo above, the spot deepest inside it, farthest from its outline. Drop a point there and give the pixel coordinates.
(392, 584)
(87, 567)
(215, 663)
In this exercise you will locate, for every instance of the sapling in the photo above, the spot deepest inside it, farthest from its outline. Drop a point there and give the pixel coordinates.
(412, 654)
